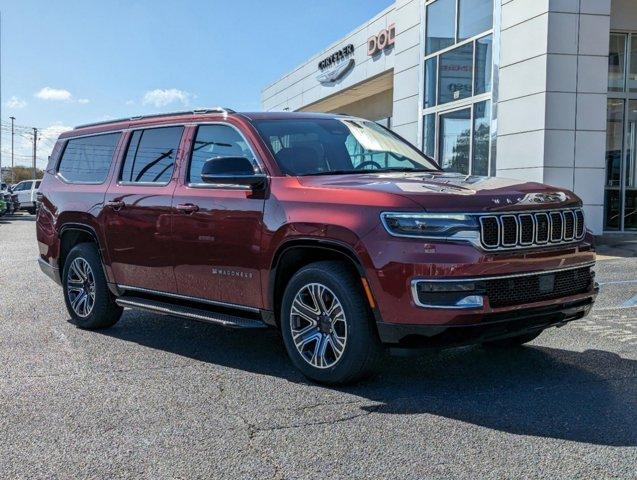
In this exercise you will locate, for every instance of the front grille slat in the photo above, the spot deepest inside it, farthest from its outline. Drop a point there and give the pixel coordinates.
(531, 229)
(527, 289)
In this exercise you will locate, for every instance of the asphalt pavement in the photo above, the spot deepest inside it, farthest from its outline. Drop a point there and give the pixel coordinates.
(160, 397)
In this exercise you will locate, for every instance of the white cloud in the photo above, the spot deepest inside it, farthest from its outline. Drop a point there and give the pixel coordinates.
(162, 97)
(83, 101)
(15, 102)
(129, 102)
(48, 93)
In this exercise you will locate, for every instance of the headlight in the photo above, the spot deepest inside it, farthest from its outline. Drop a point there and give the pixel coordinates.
(440, 226)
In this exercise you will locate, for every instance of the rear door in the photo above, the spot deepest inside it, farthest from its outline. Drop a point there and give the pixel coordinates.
(217, 228)
(137, 210)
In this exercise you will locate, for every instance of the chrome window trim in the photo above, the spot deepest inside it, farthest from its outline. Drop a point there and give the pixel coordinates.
(186, 297)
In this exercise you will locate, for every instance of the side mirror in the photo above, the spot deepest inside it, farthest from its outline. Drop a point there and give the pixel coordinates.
(232, 171)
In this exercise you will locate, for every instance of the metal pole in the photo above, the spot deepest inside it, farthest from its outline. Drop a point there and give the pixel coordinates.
(12, 164)
(35, 148)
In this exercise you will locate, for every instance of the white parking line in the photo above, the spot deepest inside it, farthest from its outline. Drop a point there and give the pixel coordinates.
(631, 302)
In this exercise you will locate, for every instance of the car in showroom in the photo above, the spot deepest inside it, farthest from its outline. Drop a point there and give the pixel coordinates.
(330, 228)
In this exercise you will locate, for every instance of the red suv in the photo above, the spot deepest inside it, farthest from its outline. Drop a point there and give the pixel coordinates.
(330, 228)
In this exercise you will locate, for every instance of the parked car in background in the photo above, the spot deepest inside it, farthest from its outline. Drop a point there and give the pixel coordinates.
(330, 228)
(27, 194)
(10, 201)
(3, 206)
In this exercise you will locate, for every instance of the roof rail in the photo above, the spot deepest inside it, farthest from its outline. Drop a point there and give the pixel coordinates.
(198, 111)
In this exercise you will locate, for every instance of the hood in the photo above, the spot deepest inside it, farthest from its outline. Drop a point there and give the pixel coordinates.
(442, 191)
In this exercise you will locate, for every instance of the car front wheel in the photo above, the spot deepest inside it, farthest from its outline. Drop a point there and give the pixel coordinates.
(327, 326)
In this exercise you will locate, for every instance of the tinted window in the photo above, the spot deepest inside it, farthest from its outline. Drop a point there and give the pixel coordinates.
(441, 25)
(456, 74)
(88, 159)
(37, 184)
(151, 154)
(214, 141)
(483, 65)
(476, 16)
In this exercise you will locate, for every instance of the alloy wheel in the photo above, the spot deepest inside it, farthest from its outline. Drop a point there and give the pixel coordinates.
(319, 325)
(80, 284)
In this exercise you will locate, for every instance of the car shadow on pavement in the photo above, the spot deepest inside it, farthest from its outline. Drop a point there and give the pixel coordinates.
(588, 396)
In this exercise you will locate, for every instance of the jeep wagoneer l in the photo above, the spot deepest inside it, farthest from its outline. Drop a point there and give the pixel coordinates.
(330, 228)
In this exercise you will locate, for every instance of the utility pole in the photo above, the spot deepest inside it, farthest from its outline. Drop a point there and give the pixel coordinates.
(12, 164)
(35, 148)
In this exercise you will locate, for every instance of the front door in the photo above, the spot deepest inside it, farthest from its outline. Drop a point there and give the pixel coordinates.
(217, 229)
(137, 211)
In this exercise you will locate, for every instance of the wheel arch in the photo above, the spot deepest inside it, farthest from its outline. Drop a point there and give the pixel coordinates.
(72, 234)
(295, 254)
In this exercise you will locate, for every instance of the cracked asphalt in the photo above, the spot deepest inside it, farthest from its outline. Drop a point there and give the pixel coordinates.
(160, 397)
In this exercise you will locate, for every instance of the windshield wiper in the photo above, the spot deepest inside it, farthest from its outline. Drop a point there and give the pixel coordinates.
(403, 169)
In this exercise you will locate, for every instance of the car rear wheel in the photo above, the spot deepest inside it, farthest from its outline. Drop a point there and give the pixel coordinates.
(512, 342)
(86, 294)
(327, 326)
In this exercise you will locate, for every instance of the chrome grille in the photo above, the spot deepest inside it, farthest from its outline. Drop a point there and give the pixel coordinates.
(529, 229)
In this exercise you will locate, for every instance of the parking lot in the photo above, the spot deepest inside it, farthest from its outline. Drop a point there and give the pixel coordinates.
(158, 397)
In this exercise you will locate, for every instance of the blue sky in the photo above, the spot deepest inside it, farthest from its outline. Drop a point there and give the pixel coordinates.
(70, 62)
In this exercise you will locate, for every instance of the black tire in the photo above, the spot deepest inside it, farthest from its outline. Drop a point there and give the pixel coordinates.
(104, 312)
(31, 211)
(362, 348)
(512, 342)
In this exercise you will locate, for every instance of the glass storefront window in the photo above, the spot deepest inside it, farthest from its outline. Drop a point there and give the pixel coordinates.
(632, 76)
(441, 25)
(484, 62)
(630, 200)
(614, 141)
(481, 135)
(454, 140)
(456, 74)
(474, 17)
(617, 62)
(429, 135)
(431, 72)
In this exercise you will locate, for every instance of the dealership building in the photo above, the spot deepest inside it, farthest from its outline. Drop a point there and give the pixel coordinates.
(537, 90)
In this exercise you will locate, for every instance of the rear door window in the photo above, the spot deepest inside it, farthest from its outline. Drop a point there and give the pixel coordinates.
(151, 155)
(88, 159)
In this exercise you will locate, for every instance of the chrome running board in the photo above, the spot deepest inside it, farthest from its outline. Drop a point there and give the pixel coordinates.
(193, 313)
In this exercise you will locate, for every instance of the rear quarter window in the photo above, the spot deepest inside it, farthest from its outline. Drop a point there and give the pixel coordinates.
(88, 159)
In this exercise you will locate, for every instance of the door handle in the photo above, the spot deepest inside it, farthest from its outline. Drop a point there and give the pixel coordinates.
(115, 205)
(187, 208)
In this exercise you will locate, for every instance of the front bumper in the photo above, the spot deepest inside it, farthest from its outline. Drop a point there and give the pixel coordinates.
(50, 271)
(493, 326)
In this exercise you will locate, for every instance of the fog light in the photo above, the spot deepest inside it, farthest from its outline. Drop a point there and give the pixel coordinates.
(447, 294)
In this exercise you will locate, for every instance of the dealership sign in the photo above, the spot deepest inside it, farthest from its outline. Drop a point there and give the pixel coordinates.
(336, 66)
(384, 40)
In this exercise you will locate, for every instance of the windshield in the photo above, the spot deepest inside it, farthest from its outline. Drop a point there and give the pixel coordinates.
(337, 146)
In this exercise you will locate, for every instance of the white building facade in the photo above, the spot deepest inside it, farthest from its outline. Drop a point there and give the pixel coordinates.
(538, 90)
